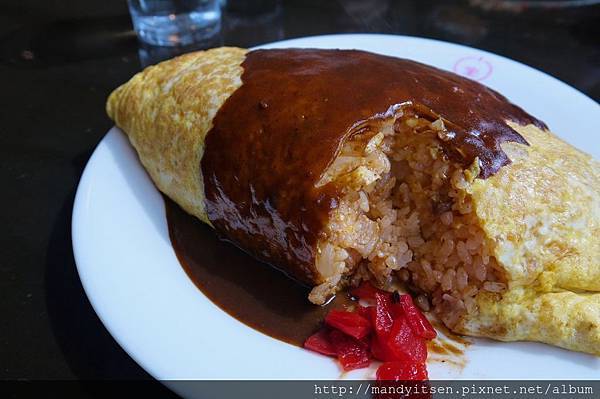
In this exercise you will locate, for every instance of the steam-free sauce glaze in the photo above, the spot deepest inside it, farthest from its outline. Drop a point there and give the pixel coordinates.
(252, 292)
(275, 136)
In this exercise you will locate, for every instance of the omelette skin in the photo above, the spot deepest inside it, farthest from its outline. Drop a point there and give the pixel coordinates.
(166, 111)
(540, 213)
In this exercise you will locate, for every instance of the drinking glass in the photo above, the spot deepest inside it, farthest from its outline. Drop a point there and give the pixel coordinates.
(175, 22)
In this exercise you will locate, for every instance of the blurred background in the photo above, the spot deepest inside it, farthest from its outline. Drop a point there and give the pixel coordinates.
(59, 59)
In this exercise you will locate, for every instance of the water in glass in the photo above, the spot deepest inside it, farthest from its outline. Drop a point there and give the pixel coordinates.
(175, 22)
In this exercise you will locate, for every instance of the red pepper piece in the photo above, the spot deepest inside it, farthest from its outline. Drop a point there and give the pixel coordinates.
(407, 349)
(365, 291)
(352, 353)
(350, 323)
(380, 350)
(381, 314)
(416, 320)
(319, 342)
(364, 311)
(404, 344)
(402, 371)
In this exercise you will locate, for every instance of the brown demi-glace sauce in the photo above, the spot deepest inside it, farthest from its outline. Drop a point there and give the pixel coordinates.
(276, 135)
(251, 291)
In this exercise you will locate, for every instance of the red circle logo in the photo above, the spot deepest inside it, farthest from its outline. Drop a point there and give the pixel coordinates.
(476, 68)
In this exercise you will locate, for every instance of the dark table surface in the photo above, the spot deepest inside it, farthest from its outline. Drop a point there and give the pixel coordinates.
(60, 59)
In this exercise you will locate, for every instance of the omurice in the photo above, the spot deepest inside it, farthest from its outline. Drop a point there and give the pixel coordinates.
(340, 166)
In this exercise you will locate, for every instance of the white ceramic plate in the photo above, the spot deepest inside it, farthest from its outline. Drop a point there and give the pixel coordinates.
(146, 301)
